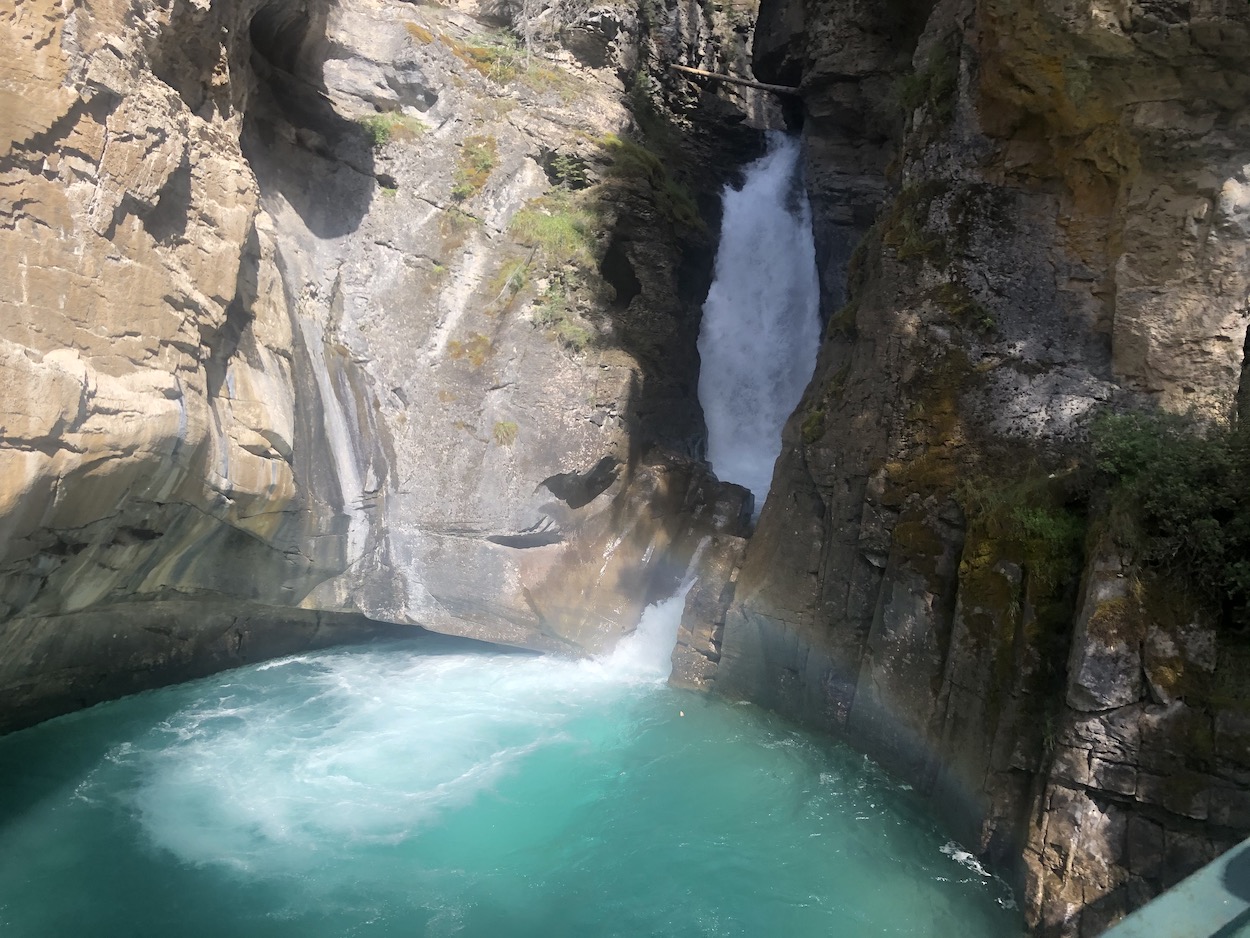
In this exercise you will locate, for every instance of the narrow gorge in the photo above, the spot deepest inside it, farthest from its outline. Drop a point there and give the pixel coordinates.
(908, 404)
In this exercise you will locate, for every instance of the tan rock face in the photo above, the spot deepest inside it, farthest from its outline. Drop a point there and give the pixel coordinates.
(270, 342)
(1051, 223)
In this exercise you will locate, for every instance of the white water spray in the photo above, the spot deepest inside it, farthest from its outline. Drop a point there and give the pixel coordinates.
(761, 322)
(384, 745)
(647, 654)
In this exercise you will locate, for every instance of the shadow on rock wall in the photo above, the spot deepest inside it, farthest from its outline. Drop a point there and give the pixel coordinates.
(297, 144)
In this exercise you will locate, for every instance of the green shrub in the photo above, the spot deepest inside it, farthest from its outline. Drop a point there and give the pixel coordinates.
(906, 226)
(477, 158)
(510, 279)
(381, 129)
(569, 170)
(554, 311)
(1032, 519)
(1181, 493)
(813, 425)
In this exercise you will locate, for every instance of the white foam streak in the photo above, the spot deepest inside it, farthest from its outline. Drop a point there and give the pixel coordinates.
(378, 746)
(761, 327)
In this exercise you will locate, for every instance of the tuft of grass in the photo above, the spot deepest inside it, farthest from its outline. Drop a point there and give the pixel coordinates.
(455, 226)
(383, 128)
(419, 33)
(501, 59)
(560, 227)
(504, 432)
(477, 158)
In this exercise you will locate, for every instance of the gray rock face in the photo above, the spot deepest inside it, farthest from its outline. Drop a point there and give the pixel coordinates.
(335, 313)
(1047, 202)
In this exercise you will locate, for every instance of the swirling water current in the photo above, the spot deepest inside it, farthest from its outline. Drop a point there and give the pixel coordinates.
(412, 789)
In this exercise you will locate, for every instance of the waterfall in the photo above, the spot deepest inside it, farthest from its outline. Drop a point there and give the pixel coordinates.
(647, 653)
(761, 322)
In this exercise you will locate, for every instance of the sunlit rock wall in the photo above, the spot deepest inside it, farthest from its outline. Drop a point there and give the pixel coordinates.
(276, 363)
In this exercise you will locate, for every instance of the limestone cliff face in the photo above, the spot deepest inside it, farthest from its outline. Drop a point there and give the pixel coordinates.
(1052, 213)
(319, 315)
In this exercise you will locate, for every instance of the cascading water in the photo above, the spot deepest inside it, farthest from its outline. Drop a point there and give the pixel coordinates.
(761, 322)
(395, 790)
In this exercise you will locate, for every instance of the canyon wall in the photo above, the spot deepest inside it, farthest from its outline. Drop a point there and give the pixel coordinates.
(325, 321)
(1027, 212)
(319, 319)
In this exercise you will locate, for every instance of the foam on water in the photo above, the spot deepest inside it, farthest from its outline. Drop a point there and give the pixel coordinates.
(387, 791)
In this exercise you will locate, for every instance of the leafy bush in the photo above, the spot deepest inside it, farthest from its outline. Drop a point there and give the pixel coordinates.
(1181, 493)
(1034, 518)
(554, 310)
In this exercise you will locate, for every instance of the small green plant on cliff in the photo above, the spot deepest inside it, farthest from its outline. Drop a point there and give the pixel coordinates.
(813, 427)
(906, 226)
(511, 279)
(1032, 519)
(934, 85)
(1181, 497)
(504, 432)
(955, 297)
(631, 160)
(477, 158)
(554, 311)
(475, 350)
(381, 129)
(569, 171)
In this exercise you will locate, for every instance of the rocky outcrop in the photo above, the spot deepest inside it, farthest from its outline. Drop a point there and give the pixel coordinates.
(1050, 204)
(320, 314)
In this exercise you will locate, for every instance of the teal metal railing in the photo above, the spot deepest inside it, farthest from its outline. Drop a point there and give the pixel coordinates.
(1212, 903)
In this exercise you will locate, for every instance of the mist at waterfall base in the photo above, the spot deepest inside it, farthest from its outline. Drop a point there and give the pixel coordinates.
(761, 323)
(387, 790)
